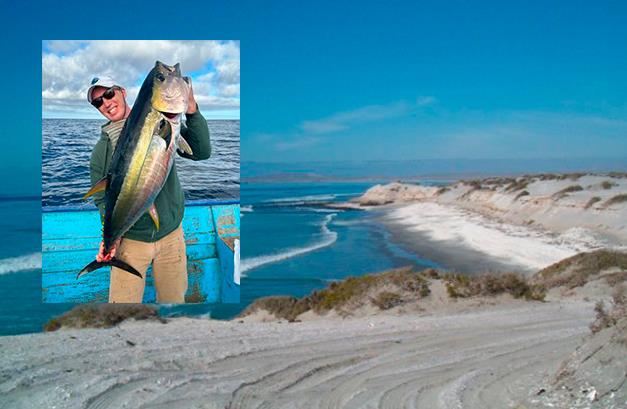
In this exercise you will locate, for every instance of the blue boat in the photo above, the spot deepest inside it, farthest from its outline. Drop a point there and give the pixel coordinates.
(71, 237)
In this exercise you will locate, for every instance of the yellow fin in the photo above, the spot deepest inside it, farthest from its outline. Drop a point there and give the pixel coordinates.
(184, 146)
(154, 215)
(100, 186)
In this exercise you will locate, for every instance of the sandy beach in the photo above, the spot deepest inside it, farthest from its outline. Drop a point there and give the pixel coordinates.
(439, 342)
(483, 358)
(503, 224)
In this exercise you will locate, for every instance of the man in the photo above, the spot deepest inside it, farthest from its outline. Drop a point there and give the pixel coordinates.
(143, 244)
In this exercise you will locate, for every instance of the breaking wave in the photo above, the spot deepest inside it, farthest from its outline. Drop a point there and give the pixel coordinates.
(328, 238)
(21, 263)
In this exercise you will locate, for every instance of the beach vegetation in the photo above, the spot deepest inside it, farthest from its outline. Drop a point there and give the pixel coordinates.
(615, 200)
(282, 307)
(387, 299)
(577, 270)
(518, 184)
(463, 286)
(384, 290)
(592, 201)
(604, 319)
(102, 316)
(564, 192)
(521, 194)
(606, 184)
(431, 273)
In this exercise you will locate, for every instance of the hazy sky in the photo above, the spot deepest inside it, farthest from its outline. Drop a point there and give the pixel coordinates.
(408, 80)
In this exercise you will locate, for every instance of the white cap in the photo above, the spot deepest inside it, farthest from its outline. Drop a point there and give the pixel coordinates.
(100, 81)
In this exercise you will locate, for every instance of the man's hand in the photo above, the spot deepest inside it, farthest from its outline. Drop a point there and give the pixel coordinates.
(101, 257)
(192, 107)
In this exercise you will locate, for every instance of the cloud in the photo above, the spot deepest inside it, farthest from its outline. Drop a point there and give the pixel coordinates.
(69, 65)
(311, 132)
(371, 113)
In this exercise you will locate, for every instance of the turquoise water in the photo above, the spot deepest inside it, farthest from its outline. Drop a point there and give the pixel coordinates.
(291, 245)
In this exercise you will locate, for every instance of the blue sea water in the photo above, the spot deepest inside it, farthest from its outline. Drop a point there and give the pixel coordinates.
(67, 146)
(291, 245)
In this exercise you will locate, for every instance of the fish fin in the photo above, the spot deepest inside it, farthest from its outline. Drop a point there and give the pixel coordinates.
(154, 215)
(95, 265)
(163, 129)
(100, 186)
(188, 80)
(183, 146)
(177, 68)
(116, 262)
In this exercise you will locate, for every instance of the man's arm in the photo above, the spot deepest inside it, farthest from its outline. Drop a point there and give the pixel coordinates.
(197, 136)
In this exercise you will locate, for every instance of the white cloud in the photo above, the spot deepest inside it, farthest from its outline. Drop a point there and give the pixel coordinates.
(68, 66)
(371, 113)
(303, 136)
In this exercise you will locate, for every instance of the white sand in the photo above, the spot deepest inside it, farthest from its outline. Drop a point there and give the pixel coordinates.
(489, 357)
(510, 229)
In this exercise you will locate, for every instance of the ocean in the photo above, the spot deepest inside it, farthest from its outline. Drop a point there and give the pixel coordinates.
(291, 243)
(67, 145)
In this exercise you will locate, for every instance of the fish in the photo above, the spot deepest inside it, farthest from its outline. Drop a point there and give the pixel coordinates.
(142, 158)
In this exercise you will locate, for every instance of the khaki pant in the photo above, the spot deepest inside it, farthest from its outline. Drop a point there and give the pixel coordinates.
(169, 270)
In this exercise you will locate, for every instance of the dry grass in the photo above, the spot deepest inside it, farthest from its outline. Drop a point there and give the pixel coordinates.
(521, 194)
(609, 318)
(606, 184)
(461, 286)
(387, 299)
(564, 192)
(592, 201)
(615, 200)
(577, 270)
(384, 290)
(101, 316)
(518, 184)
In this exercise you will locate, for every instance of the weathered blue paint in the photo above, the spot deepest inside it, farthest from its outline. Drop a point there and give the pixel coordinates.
(71, 237)
(227, 219)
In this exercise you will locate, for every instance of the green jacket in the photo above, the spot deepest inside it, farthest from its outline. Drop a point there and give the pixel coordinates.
(170, 202)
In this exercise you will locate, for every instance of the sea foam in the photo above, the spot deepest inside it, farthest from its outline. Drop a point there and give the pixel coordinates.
(328, 238)
(21, 263)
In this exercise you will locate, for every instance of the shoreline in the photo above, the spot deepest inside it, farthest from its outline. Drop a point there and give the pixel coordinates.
(450, 255)
(488, 225)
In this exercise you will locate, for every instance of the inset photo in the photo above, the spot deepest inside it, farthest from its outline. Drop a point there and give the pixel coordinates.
(140, 171)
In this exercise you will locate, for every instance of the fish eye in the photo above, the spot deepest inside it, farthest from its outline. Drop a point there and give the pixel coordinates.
(160, 77)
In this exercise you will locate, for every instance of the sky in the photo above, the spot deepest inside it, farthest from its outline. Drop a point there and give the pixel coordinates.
(333, 81)
(68, 67)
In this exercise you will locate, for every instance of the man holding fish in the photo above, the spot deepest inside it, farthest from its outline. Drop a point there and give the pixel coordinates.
(135, 184)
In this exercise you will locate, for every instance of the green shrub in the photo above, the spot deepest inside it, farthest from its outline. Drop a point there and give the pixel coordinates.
(386, 300)
(521, 194)
(461, 286)
(575, 271)
(606, 184)
(101, 316)
(592, 201)
(616, 200)
(564, 192)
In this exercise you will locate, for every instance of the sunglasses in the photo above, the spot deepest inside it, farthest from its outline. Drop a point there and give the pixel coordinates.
(108, 94)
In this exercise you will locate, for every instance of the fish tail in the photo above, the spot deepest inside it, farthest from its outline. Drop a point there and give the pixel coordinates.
(95, 265)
